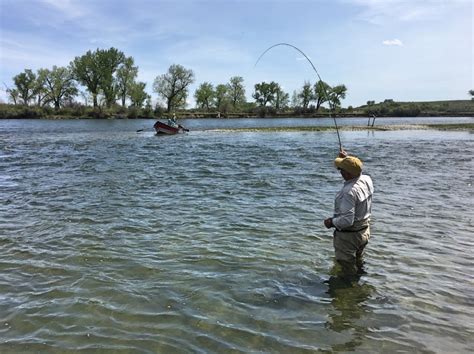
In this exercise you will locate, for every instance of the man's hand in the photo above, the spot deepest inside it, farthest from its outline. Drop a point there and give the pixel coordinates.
(328, 223)
(342, 154)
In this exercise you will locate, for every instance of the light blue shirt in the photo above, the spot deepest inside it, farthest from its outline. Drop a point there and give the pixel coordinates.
(353, 202)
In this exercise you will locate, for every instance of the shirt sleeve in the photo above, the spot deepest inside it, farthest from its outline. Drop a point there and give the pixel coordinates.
(346, 212)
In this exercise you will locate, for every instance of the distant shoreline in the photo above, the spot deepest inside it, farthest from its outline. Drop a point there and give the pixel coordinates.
(443, 126)
(386, 109)
(243, 116)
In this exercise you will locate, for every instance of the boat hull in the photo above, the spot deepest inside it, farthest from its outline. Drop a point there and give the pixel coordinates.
(165, 129)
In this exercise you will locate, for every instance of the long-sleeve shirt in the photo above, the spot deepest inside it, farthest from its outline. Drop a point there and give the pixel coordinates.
(354, 202)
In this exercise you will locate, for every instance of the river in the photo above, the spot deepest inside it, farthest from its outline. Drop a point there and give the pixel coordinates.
(113, 240)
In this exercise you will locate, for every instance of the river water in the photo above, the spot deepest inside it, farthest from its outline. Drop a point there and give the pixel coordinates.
(113, 240)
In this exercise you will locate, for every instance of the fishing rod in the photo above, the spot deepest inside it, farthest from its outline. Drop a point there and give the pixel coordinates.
(331, 107)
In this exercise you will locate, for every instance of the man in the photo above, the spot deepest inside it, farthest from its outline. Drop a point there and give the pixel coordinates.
(352, 210)
(172, 121)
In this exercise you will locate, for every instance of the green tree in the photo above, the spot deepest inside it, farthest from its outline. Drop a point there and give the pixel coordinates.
(26, 86)
(265, 93)
(86, 70)
(336, 94)
(110, 60)
(173, 86)
(58, 85)
(321, 93)
(95, 71)
(236, 91)
(471, 93)
(221, 97)
(295, 100)
(126, 75)
(306, 95)
(13, 95)
(281, 98)
(137, 94)
(205, 95)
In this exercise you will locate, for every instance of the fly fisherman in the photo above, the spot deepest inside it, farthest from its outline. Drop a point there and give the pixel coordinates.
(172, 121)
(352, 209)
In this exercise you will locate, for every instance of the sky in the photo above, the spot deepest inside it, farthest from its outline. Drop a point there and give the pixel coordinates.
(405, 50)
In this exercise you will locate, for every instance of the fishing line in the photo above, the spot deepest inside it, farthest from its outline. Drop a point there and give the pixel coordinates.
(319, 77)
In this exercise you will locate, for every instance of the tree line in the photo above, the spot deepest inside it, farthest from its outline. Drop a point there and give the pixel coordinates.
(109, 79)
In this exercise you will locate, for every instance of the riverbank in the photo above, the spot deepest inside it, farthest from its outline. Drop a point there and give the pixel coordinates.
(442, 126)
(388, 108)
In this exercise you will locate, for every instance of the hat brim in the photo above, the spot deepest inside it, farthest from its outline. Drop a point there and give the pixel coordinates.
(338, 161)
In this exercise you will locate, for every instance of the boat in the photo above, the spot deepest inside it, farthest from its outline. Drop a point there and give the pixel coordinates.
(162, 128)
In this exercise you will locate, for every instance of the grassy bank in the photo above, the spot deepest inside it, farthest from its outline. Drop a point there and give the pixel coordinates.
(388, 108)
(463, 126)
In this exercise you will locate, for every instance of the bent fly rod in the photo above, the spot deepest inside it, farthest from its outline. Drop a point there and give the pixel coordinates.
(331, 107)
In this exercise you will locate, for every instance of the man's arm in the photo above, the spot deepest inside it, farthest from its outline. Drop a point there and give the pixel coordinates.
(346, 213)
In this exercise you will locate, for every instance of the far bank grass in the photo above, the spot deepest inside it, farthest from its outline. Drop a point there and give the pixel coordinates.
(457, 126)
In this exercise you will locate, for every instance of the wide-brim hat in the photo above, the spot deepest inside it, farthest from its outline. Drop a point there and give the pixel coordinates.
(349, 164)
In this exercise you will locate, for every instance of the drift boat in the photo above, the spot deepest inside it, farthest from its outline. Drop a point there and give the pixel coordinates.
(162, 128)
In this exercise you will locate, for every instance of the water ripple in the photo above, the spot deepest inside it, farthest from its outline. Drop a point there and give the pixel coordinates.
(213, 242)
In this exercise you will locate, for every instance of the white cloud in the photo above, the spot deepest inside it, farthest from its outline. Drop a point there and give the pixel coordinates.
(391, 42)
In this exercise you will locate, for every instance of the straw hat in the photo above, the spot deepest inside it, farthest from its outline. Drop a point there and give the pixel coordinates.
(349, 164)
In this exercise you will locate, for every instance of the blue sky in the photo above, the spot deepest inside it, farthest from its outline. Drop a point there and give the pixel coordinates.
(406, 50)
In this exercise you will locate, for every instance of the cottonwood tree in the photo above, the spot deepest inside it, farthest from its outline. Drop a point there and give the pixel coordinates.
(58, 85)
(321, 93)
(173, 86)
(281, 98)
(95, 71)
(236, 91)
(126, 75)
(306, 95)
(221, 97)
(265, 93)
(205, 95)
(13, 95)
(110, 61)
(336, 94)
(137, 94)
(26, 86)
(295, 100)
(86, 70)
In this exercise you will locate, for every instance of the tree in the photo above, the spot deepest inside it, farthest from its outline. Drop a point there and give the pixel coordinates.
(281, 98)
(321, 93)
(126, 75)
(471, 92)
(58, 85)
(26, 86)
(336, 94)
(295, 100)
(306, 95)
(13, 94)
(137, 94)
(173, 86)
(265, 93)
(205, 95)
(95, 71)
(221, 97)
(87, 72)
(236, 91)
(109, 61)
